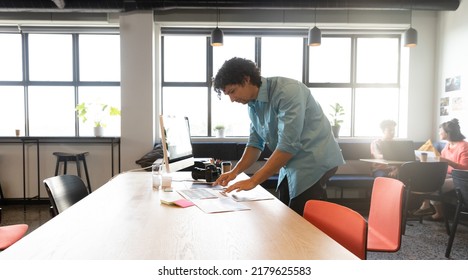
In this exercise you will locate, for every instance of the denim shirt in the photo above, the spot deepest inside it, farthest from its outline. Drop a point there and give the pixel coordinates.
(285, 116)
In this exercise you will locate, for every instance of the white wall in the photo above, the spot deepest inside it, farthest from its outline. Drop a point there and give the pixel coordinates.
(421, 74)
(137, 86)
(453, 61)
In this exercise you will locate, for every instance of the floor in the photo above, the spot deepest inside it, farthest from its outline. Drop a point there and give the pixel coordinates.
(34, 216)
(422, 241)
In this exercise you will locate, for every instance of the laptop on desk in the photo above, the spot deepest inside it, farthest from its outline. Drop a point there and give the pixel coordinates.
(398, 150)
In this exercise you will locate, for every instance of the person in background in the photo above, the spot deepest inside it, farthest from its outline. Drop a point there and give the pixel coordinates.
(388, 133)
(284, 116)
(455, 153)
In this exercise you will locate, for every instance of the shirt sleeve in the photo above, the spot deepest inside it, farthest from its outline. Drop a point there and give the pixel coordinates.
(462, 162)
(291, 109)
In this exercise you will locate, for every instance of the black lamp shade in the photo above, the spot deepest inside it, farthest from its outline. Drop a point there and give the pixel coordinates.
(217, 37)
(315, 37)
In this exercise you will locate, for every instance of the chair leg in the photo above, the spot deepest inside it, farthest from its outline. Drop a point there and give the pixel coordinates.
(446, 220)
(57, 165)
(78, 166)
(405, 212)
(1, 195)
(87, 174)
(452, 231)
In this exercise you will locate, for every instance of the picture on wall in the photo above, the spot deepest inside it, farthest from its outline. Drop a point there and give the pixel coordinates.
(457, 104)
(444, 103)
(452, 83)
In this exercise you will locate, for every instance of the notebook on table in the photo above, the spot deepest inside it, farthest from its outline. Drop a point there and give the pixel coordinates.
(398, 150)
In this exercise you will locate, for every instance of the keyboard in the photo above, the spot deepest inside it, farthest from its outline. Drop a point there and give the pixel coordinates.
(200, 193)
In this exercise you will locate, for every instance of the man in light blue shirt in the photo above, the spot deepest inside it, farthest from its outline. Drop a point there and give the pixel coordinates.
(285, 117)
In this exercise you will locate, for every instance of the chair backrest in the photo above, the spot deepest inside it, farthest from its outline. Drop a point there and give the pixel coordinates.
(64, 191)
(460, 182)
(344, 225)
(11, 234)
(385, 215)
(424, 177)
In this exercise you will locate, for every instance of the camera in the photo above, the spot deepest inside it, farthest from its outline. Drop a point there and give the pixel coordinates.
(209, 172)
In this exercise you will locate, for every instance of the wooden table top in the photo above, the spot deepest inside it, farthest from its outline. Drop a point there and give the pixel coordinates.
(124, 219)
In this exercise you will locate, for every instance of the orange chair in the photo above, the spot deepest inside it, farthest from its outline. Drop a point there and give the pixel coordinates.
(10, 234)
(341, 223)
(385, 215)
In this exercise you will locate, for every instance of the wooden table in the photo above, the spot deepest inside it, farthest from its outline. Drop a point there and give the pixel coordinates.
(125, 220)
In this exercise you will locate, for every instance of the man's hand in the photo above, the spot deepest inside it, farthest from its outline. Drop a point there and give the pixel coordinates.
(225, 178)
(243, 185)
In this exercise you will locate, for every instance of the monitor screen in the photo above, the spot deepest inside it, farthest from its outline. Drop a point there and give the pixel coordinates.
(176, 142)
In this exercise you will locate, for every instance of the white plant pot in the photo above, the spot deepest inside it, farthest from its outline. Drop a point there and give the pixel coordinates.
(98, 131)
(220, 133)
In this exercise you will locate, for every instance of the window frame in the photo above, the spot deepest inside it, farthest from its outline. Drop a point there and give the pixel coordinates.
(76, 83)
(258, 33)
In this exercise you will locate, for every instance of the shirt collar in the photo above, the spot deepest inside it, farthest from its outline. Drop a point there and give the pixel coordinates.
(262, 92)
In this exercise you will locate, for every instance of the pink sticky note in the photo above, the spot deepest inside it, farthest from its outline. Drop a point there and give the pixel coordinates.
(183, 203)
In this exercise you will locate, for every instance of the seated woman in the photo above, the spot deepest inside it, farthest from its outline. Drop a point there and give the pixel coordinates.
(383, 170)
(455, 153)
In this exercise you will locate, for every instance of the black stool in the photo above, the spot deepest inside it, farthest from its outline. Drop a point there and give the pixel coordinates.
(66, 157)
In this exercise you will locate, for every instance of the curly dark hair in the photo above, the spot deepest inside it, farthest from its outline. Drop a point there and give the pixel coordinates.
(234, 71)
(452, 128)
(387, 124)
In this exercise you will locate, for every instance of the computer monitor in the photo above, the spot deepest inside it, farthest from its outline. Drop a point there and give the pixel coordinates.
(176, 142)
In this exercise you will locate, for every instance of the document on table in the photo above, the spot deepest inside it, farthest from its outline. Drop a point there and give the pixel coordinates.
(251, 195)
(218, 205)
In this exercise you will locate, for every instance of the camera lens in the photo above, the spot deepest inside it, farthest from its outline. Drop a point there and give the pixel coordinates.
(198, 173)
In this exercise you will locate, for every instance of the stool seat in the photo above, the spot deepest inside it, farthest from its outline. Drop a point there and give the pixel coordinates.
(65, 157)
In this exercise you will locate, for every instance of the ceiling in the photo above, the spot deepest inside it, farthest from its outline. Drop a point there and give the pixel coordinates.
(131, 5)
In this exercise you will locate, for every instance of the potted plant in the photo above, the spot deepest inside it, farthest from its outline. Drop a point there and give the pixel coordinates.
(337, 118)
(220, 129)
(98, 113)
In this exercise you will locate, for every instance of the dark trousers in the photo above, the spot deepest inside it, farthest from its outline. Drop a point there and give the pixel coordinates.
(316, 191)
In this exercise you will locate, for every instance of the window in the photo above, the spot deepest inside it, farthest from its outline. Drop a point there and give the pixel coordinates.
(53, 52)
(359, 71)
(10, 57)
(60, 70)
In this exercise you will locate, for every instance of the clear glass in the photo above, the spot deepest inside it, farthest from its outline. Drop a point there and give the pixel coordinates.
(156, 172)
(191, 102)
(327, 97)
(331, 62)
(182, 64)
(377, 60)
(11, 57)
(282, 56)
(100, 95)
(50, 57)
(51, 111)
(374, 105)
(11, 110)
(243, 47)
(99, 57)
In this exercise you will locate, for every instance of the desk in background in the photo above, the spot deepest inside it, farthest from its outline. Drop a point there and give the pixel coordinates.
(124, 219)
(383, 161)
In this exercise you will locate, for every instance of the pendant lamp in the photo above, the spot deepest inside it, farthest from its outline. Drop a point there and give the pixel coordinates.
(217, 35)
(410, 37)
(315, 35)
